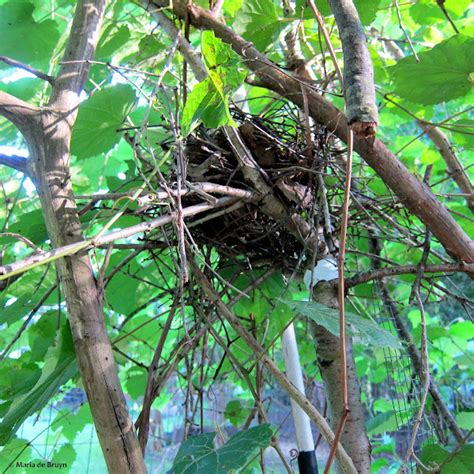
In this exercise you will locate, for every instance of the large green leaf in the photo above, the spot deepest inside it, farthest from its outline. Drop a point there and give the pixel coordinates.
(460, 463)
(258, 22)
(329, 319)
(24, 39)
(99, 118)
(198, 454)
(443, 73)
(208, 101)
(60, 366)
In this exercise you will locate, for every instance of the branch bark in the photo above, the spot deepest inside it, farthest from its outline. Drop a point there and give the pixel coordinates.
(455, 168)
(48, 135)
(415, 195)
(354, 437)
(359, 90)
(379, 273)
(18, 163)
(25, 67)
(23, 115)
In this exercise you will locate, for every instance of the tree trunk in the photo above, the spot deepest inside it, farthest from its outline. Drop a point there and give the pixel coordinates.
(47, 131)
(49, 155)
(354, 437)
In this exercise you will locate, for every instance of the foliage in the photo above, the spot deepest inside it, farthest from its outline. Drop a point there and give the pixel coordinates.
(198, 453)
(125, 136)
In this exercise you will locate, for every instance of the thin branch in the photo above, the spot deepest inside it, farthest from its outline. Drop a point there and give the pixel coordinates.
(18, 163)
(440, 4)
(26, 241)
(455, 168)
(406, 269)
(27, 321)
(25, 67)
(42, 258)
(405, 33)
(425, 378)
(341, 292)
(191, 56)
(144, 423)
(283, 381)
(327, 40)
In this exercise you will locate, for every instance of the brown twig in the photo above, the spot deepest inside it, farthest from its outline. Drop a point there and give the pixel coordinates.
(25, 67)
(341, 298)
(440, 4)
(260, 353)
(405, 270)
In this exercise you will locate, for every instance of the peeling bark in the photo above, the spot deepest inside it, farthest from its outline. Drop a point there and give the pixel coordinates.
(354, 437)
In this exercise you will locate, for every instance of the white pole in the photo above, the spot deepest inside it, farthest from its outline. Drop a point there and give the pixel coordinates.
(304, 437)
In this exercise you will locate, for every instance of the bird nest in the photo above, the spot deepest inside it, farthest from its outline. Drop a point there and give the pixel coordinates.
(289, 158)
(289, 163)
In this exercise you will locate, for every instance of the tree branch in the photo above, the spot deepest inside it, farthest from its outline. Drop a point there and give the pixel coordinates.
(406, 270)
(359, 90)
(455, 168)
(191, 56)
(19, 163)
(25, 67)
(38, 259)
(19, 113)
(80, 48)
(415, 195)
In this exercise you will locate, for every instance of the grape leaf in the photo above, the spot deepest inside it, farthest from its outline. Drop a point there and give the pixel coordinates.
(99, 118)
(198, 455)
(23, 38)
(258, 22)
(443, 73)
(60, 366)
(329, 319)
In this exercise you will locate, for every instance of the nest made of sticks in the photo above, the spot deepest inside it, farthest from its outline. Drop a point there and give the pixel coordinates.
(290, 163)
(291, 157)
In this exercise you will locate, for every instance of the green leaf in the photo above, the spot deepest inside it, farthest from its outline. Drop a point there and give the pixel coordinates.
(329, 319)
(237, 411)
(60, 366)
(24, 39)
(112, 39)
(99, 118)
(465, 419)
(65, 455)
(442, 74)
(461, 463)
(198, 454)
(72, 423)
(136, 382)
(208, 104)
(367, 10)
(31, 225)
(208, 101)
(258, 22)
(16, 450)
(382, 423)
